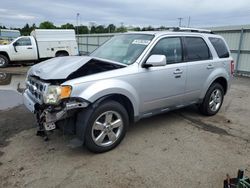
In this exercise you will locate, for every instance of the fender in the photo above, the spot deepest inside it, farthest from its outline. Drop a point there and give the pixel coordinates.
(217, 73)
(5, 53)
(111, 86)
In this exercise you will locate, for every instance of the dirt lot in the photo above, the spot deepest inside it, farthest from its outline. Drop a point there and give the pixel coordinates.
(177, 149)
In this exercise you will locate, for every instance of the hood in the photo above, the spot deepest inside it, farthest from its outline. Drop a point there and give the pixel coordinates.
(4, 46)
(62, 67)
(58, 68)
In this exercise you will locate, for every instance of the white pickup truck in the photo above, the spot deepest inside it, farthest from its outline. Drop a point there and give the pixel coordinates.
(41, 44)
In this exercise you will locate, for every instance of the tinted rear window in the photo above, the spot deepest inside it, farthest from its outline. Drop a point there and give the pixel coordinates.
(220, 47)
(197, 49)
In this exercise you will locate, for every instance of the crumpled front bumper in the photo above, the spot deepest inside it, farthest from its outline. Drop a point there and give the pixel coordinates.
(48, 115)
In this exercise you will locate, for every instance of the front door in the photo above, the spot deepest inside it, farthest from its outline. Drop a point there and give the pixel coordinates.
(23, 50)
(164, 86)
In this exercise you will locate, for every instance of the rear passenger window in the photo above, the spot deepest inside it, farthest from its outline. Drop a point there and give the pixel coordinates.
(220, 47)
(171, 48)
(196, 49)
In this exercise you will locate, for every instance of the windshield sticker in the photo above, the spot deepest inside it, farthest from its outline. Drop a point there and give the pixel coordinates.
(141, 42)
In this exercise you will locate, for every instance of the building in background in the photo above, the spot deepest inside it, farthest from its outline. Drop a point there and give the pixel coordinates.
(238, 39)
(7, 35)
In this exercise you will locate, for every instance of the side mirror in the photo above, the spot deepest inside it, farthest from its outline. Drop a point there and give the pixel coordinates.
(14, 45)
(156, 61)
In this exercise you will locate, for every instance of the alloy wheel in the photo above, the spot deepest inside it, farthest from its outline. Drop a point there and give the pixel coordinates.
(215, 100)
(107, 128)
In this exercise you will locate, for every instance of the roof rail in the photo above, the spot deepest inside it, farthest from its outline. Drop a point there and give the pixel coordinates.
(189, 29)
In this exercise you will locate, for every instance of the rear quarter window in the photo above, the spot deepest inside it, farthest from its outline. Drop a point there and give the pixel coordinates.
(196, 49)
(220, 47)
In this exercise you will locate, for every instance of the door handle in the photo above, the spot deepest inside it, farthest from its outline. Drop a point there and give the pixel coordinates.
(29, 48)
(178, 71)
(210, 66)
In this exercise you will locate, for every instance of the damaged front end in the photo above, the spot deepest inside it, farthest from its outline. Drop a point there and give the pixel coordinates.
(51, 103)
(48, 116)
(50, 100)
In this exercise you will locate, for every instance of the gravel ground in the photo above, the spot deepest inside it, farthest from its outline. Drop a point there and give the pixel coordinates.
(176, 149)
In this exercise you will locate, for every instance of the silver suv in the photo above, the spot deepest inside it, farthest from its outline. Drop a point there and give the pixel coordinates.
(130, 77)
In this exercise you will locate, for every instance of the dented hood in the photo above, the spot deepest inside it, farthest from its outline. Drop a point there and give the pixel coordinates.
(60, 67)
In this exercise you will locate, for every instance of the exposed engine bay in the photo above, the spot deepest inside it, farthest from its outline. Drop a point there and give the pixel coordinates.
(92, 67)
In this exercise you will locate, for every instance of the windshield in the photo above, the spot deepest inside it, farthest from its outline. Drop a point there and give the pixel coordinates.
(123, 48)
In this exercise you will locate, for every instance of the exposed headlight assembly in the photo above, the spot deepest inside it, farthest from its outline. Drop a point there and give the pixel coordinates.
(55, 93)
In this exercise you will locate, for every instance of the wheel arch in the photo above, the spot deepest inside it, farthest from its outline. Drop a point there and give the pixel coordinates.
(223, 82)
(219, 76)
(5, 54)
(123, 100)
(62, 52)
(83, 116)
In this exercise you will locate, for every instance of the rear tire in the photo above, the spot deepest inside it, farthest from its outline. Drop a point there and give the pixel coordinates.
(213, 100)
(4, 61)
(106, 127)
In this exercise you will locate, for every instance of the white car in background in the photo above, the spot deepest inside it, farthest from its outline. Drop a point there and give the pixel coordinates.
(41, 44)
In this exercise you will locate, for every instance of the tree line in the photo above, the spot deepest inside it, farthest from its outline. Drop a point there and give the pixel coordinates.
(82, 29)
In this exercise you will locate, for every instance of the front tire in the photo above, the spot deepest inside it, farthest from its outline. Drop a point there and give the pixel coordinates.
(213, 100)
(106, 127)
(4, 61)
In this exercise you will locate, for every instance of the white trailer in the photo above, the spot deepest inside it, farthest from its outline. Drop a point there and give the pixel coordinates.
(41, 44)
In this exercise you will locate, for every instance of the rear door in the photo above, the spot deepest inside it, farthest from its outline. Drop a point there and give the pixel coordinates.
(199, 66)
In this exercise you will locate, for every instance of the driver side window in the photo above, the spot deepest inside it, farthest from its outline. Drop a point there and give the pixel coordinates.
(171, 48)
(23, 42)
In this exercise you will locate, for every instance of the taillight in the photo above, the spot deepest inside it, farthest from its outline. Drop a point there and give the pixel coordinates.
(232, 67)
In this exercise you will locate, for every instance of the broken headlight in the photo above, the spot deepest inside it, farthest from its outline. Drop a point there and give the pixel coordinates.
(55, 93)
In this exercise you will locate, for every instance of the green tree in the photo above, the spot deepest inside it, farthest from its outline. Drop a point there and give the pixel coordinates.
(47, 25)
(83, 29)
(100, 29)
(93, 29)
(2, 27)
(121, 29)
(111, 28)
(149, 28)
(34, 26)
(137, 29)
(67, 26)
(25, 30)
(162, 28)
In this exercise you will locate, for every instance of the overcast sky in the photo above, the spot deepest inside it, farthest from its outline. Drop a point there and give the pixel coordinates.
(15, 13)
